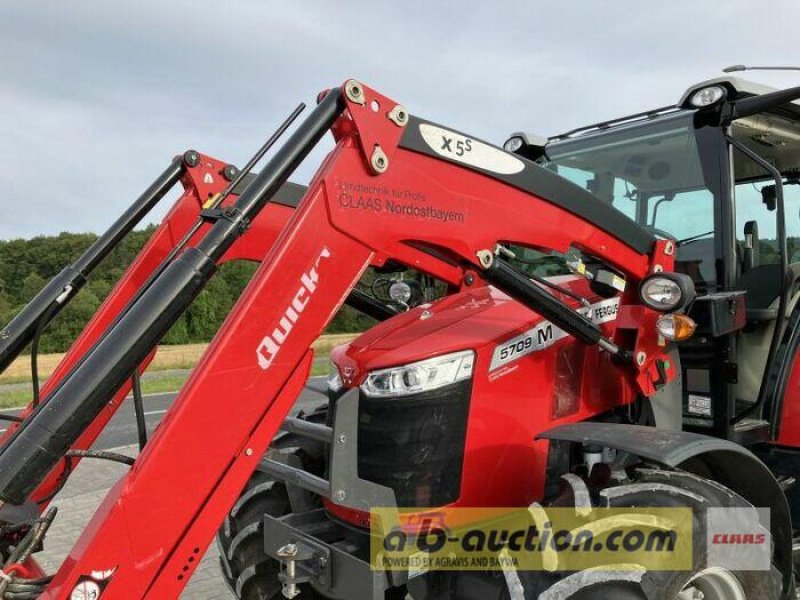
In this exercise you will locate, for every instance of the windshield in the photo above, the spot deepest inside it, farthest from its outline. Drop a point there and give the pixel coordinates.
(652, 173)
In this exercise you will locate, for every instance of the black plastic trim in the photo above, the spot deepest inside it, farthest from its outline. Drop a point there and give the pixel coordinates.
(548, 186)
(669, 448)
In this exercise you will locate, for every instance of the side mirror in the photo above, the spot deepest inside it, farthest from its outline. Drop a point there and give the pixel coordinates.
(769, 196)
(752, 246)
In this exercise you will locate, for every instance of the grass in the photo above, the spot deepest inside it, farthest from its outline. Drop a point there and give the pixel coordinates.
(14, 398)
(168, 358)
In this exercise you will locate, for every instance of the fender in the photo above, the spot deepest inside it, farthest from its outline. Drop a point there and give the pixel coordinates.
(725, 462)
(781, 381)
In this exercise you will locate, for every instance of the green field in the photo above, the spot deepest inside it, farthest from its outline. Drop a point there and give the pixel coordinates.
(15, 388)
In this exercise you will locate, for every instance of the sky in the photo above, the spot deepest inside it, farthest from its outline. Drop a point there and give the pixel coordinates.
(97, 96)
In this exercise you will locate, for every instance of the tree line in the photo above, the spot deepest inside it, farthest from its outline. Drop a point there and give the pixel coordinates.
(27, 265)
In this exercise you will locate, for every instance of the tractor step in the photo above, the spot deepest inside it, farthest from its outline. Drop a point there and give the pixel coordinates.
(748, 432)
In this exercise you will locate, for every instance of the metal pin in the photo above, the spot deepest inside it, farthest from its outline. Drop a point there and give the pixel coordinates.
(287, 554)
(354, 91)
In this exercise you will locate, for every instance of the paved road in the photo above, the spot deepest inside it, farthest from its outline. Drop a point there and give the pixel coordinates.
(121, 430)
(89, 483)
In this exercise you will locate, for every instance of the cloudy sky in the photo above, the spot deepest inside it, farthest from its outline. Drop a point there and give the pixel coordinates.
(96, 96)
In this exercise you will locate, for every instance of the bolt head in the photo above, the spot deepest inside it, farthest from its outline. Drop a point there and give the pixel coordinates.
(378, 161)
(486, 258)
(641, 357)
(342, 438)
(230, 172)
(399, 116)
(287, 551)
(191, 158)
(249, 452)
(354, 91)
(340, 495)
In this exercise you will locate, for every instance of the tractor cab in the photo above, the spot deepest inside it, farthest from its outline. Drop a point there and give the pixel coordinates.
(726, 189)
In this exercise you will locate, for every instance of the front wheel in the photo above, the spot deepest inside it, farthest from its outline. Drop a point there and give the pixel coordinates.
(249, 572)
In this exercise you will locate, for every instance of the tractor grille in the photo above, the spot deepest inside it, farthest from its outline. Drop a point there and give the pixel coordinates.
(415, 444)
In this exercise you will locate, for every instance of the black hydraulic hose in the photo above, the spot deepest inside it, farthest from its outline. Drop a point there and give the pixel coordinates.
(37, 335)
(138, 408)
(43, 440)
(22, 550)
(103, 455)
(63, 287)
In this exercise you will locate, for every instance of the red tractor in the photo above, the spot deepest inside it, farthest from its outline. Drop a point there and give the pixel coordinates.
(616, 329)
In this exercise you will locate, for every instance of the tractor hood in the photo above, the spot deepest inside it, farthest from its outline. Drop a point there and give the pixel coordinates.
(469, 319)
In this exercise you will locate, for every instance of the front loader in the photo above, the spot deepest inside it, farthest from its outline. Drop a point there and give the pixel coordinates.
(514, 390)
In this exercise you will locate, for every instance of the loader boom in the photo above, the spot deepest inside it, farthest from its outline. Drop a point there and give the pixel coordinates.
(394, 187)
(46, 304)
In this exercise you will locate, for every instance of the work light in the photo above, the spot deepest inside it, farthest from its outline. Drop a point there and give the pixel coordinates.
(667, 292)
(707, 96)
(513, 144)
(400, 292)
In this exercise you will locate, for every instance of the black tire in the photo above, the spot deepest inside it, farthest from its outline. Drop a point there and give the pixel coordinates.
(661, 488)
(248, 571)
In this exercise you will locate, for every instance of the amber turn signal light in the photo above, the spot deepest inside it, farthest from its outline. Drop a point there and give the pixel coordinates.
(676, 327)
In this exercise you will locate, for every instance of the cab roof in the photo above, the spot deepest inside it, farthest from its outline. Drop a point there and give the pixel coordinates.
(736, 86)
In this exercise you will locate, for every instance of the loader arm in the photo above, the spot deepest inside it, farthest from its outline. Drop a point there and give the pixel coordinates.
(394, 187)
(201, 181)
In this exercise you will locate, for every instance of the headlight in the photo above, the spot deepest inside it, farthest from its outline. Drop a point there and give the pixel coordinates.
(335, 382)
(707, 96)
(667, 292)
(420, 376)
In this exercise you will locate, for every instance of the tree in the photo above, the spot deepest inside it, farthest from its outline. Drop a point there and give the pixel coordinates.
(32, 285)
(27, 265)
